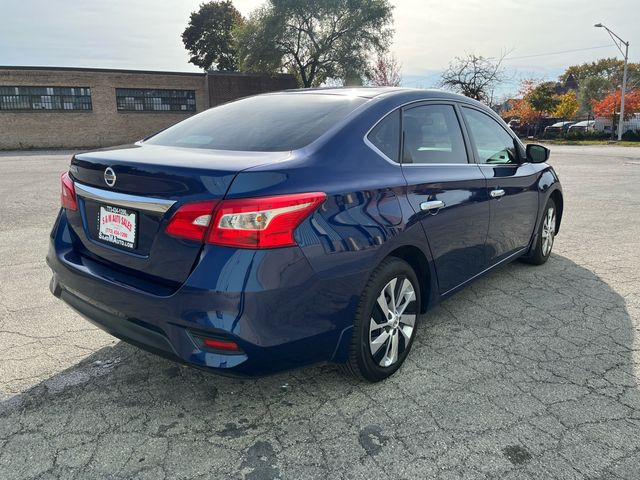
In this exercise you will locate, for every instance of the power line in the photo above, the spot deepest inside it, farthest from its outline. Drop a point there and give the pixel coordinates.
(557, 53)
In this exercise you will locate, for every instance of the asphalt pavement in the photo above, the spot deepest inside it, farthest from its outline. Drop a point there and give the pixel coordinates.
(530, 373)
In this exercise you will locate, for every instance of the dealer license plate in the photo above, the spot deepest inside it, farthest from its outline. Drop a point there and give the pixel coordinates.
(118, 226)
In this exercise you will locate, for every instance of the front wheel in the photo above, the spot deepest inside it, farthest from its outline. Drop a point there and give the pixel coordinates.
(545, 237)
(385, 323)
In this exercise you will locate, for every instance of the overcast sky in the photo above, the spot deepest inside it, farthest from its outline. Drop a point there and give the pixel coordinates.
(145, 34)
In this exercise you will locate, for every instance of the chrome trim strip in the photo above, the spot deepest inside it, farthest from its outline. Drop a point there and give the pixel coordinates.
(135, 202)
(369, 144)
(412, 165)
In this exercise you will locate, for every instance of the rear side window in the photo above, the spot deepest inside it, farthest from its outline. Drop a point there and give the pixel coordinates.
(267, 123)
(385, 136)
(432, 135)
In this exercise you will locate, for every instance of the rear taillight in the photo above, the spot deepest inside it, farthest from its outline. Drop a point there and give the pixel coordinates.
(261, 222)
(67, 192)
(192, 220)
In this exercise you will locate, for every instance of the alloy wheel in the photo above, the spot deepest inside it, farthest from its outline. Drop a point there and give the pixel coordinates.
(548, 231)
(392, 322)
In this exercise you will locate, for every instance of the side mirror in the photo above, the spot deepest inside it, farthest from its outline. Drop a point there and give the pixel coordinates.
(537, 153)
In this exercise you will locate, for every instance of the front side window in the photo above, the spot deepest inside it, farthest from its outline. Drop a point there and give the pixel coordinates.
(385, 136)
(493, 144)
(155, 100)
(432, 135)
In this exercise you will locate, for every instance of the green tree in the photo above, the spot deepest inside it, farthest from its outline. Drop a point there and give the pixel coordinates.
(317, 40)
(543, 98)
(209, 37)
(607, 68)
(593, 89)
(568, 106)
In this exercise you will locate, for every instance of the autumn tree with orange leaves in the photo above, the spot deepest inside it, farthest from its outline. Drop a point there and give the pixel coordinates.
(610, 105)
(520, 108)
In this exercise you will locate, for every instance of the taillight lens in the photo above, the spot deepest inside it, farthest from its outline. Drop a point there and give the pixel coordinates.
(192, 220)
(67, 192)
(262, 222)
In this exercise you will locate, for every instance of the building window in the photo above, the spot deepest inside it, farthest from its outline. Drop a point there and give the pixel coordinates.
(56, 99)
(147, 100)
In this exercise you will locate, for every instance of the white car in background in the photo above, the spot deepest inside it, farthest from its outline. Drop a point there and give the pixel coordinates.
(584, 126)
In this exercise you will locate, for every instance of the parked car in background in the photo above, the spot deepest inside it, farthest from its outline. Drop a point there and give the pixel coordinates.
(299, 227)
(558, 128)
(584, 126)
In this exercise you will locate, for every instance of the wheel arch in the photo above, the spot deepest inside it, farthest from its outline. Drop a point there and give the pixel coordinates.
(418, 261)
(557, 198)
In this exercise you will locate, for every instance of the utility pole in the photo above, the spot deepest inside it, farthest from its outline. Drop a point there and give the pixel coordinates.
(619, 43)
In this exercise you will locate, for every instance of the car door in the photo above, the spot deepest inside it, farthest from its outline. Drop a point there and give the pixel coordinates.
(446, 190)
(511, 184)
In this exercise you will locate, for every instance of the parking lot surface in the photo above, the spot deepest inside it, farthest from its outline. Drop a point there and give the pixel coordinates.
(530, 373)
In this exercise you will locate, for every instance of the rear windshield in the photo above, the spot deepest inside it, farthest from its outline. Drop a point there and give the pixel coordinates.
(267, 123)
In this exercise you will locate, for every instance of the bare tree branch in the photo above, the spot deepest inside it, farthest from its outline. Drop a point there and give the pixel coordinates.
(386, 72)
(474, 76)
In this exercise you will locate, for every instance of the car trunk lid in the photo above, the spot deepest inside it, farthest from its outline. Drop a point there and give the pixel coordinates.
(127, 195)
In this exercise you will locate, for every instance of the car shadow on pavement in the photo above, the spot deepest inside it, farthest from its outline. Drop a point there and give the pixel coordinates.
(529, 373)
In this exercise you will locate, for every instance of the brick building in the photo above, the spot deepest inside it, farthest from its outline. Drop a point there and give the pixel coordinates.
(50, 107)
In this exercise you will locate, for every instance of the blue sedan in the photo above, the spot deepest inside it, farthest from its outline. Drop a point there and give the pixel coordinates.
(299, 227)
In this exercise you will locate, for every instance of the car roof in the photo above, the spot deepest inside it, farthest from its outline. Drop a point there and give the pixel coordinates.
(365, 92)
(373, 92)
(390, 96)
(584, 122)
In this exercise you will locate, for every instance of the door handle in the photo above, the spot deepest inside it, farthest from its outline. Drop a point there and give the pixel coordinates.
(497, 193)
(432, 206)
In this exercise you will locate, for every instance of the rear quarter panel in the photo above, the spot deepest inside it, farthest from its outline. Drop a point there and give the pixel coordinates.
(365, 217)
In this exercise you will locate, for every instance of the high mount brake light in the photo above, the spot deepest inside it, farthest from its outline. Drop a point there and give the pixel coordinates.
(261, 222)
(67, 192)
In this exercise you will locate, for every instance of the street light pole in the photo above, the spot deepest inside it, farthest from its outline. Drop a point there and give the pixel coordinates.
(619, 43)
(624, 90)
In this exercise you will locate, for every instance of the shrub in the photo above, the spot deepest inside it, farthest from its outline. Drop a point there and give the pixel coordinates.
(631, 136)
(582, 135)
(551, 135)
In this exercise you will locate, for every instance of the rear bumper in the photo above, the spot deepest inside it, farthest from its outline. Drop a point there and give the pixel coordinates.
(271, 303)
(123, 328)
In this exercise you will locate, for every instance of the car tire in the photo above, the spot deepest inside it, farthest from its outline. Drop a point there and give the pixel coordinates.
(545, 235)
(385, 326)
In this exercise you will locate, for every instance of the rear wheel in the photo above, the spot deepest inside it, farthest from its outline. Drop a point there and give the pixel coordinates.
(545, 237)
(385, 324)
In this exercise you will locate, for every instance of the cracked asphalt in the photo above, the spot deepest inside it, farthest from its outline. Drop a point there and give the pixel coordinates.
(531, 373)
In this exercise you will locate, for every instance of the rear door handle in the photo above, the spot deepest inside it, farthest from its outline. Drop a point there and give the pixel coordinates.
(432, 206)
(497, 193)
